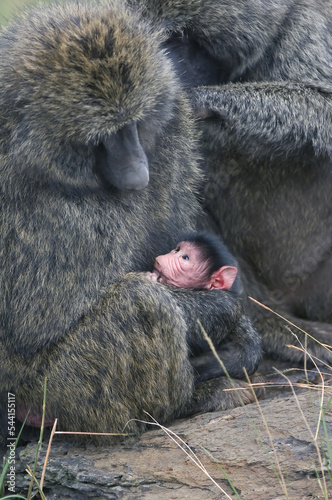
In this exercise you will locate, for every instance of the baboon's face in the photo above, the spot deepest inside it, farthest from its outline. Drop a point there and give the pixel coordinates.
(98, 80)
(187, 267)
(184, 266)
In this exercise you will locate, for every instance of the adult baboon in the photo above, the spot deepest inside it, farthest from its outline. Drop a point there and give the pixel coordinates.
(87, 93)
(259, 74)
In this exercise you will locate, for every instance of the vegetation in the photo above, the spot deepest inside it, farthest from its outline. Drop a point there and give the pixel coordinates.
(9, 8)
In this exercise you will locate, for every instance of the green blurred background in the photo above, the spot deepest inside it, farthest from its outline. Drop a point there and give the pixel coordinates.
(9, 7)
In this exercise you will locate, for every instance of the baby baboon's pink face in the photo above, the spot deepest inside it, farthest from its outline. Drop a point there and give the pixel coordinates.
(185, 267)
(182, 267)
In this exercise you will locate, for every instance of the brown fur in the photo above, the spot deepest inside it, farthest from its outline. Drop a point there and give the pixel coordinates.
(111, 344)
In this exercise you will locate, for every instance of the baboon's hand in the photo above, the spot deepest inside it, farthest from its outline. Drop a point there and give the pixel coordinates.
(151, 276)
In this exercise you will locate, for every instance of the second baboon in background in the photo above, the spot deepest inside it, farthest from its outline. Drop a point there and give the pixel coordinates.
(259, 76)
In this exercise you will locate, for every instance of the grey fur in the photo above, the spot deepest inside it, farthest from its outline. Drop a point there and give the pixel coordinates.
(259, 74)
(112, 344)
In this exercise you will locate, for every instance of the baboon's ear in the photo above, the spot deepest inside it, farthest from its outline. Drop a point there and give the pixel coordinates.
(222, 279)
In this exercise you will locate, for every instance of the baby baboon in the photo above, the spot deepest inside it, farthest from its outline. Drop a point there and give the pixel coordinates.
(202, 261)
(199, 260)
(91, 112)
(259, 76)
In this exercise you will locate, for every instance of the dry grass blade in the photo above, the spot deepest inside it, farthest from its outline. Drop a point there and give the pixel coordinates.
(280, 477)
(314, 437)
(327, 347)
(39, 445)
(184, 447)
(278, 471)
(47, 454)
(32, 475)
(92, 433)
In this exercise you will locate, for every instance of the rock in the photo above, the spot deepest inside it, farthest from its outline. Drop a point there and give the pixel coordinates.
(233, 442)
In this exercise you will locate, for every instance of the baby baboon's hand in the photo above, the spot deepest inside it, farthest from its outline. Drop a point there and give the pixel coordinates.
(151, 276)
